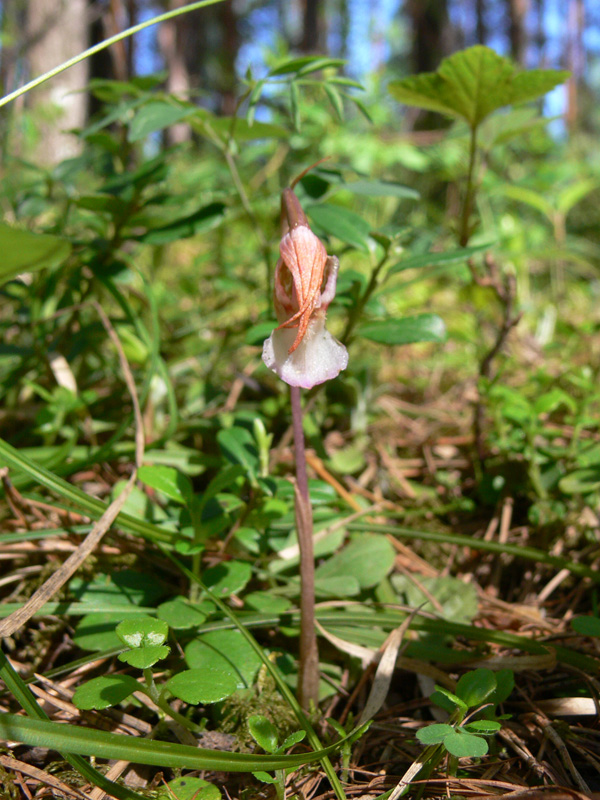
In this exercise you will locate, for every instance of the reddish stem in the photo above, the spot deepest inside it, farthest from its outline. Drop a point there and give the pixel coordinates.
(308, 674)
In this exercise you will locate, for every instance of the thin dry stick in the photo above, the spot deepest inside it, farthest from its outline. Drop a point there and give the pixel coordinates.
(308, 674)
(74, 561)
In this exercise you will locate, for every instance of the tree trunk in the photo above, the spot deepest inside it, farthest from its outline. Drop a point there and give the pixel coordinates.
(575, 60)
(431, 33)
(517, 14)
(172, 40)
(313, 37)
(57, 30)
(480, 9)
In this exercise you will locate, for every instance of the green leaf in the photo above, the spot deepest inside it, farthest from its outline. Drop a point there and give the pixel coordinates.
(239, 447)
(101, 744)
(476, 686)
(156, 116)
(420, 260)
(104, 692)
(305, 65)
(291, 740)
(144, 657)
(188, 788)
(472, 83)
(459, 601)
(23, 251)
(203, 685)
(434, 734)
(295, 105)
(586, 626)
(367, 558)
(168, 480)
(335, 100)
(464, 745)
(505, 683)
(142, 632)
(378, 189)
(204, 219)
(409, 330)
(581, 481)
(224, 650)
(483, 726)
(227, 578)
(96, 632)
(263, 732)
(342, 223)
(179, 614)
(446, 700)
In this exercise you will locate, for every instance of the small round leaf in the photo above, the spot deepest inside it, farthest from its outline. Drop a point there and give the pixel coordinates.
(103, 692)
(145, 657)
(264, 732)
(142, 632)
(434, 734)
(202, 685)
(464, 745)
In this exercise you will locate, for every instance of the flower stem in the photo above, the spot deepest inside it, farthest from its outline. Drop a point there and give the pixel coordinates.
(308, 674)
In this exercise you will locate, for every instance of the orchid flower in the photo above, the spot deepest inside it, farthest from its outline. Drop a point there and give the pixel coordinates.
(301, 350)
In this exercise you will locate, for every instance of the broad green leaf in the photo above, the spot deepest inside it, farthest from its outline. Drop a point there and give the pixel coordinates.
(409, 330)
(142, 632)
(530, 197)
(434, 734)
(446, 700)
(188, 788)
(156, 116)
(23, 251)
(550, 401)
(104, 692)
(145, 657)
(305, 65)
(345, 225)
(179, 614)
(472, 83)
(227, 578)
(291, 740)
(96, 632)
(586, 626)
(459, 601)
(581, 481)
(483, 726)
(336, 100)
(420, 260)
(203, 685)
(226, 650)
(239, 447)
(571, 195)
(267, 603)
(378, 189)
(167, 480)
(476, 686)
(465, 745)
(121, 588)
(238, 128)
(204, 219)
(263, 732)
(367, 558)
(505, 683)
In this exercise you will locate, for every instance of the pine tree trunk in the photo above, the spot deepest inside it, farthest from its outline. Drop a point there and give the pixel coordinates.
(57, 30)
(517, 14)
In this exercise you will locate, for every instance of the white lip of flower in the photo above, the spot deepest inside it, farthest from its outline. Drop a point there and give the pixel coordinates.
(301, 350)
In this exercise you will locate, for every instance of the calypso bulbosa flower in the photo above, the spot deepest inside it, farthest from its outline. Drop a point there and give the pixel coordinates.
(301, 350)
